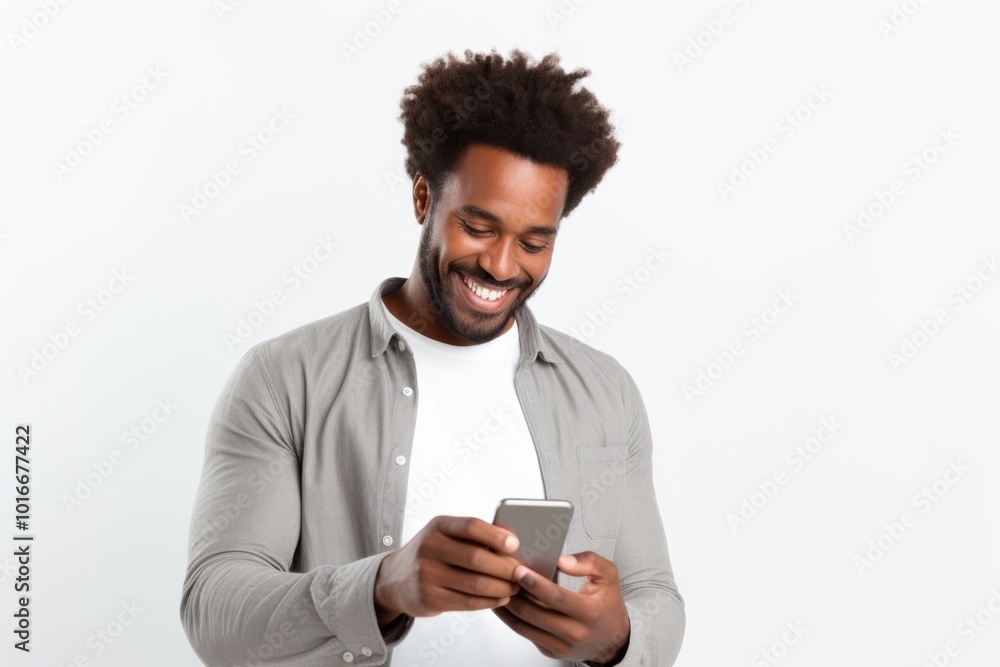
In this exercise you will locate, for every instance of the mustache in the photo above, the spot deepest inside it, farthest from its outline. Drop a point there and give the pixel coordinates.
(488, 283)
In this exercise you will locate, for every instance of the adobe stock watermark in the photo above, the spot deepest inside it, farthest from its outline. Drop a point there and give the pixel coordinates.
(928, 328)
(227, 513)
(913, 168)
(365, 33)
(295, 276)
(455, 115)
(131, 439)
(643, 611)
(120, 109)
(779, 648)
(223, 8)
(968, 630)
(923, 501)
(711, 30)
(532, 547)
(751, 505)
(265, 652)
(102, 639)
(435, 648)
(898, 17)
(270, 647)
(88, 310)
(751, 330)
(462, 451)
(32, 24)
(248, 150)
(610, 477)
(786, 127)
(8, 568)
(629, 283)
(561, 12)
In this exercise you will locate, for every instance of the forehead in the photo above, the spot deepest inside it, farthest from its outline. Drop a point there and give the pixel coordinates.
(507, 184)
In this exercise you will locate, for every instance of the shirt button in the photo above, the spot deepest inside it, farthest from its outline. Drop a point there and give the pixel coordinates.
(387, 540)
(400, 460)
(348, 657)
(365, 651)
(407, 391)
(401, 345)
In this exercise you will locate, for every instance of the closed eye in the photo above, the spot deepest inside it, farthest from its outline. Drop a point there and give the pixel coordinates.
(472, 231)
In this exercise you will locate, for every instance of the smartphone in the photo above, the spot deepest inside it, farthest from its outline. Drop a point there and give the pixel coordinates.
(540, 526)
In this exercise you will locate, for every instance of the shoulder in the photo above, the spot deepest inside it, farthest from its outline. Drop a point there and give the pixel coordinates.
(587, 361)
(331, 336)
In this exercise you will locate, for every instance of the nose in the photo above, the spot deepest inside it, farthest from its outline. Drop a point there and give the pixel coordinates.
(498, 261)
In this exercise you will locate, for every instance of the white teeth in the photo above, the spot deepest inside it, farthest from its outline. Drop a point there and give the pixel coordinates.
(482, 293)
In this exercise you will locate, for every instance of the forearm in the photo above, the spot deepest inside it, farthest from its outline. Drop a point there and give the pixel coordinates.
(241, 602)
(239, 611)
(655, 606)
(657, 620)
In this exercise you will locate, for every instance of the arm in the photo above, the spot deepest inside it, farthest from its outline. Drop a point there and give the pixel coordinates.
(655, 607)
(240, 603)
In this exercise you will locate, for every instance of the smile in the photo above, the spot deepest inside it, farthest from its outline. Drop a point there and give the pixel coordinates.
(480, 297)
(482, 292)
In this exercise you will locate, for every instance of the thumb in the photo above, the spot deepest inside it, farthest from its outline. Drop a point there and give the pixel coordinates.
(576, 564)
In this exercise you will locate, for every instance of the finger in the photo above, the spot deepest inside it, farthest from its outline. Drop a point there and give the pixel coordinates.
(589, 564)
(470, 556)
(547, 643)
(551, 621)
(477, 530)
(528, 596)
(443, 599)
(550, 593)
(463, 581)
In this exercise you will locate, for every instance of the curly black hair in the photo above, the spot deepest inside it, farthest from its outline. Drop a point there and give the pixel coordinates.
(527, 108)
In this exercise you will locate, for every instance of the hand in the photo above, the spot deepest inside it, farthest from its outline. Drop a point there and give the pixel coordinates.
(590, 625)
(447, 566)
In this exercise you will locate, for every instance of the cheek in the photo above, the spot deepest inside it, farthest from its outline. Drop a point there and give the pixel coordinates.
(464, 246)
(450, 245)
(538, 270)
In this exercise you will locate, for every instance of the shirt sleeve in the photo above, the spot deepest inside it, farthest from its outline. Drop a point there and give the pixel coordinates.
(655, 606)
(241, 604)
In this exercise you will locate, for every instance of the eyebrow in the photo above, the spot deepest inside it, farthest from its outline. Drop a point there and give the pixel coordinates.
(475, 211)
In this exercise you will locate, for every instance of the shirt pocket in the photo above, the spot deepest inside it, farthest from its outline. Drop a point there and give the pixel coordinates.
(602, 489)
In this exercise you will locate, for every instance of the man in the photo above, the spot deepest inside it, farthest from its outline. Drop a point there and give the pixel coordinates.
(352, 465)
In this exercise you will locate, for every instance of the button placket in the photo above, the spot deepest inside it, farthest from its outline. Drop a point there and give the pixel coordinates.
(403, 422)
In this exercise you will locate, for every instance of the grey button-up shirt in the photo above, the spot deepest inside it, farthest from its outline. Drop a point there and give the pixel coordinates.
(301, 496)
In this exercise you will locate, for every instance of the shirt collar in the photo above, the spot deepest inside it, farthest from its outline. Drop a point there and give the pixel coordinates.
(532, 342)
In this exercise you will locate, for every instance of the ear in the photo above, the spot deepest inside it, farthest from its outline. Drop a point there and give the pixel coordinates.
(421, 198)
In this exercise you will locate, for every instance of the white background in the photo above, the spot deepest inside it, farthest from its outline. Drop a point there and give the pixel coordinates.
(335, 171)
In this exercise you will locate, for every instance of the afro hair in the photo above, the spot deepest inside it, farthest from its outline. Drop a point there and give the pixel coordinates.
(527, 108)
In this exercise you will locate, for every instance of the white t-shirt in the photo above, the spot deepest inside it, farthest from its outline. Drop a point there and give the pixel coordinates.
(471, 448)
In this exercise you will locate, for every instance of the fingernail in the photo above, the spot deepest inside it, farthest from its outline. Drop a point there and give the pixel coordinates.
(511, 543)
(567, 560)
(504, 601)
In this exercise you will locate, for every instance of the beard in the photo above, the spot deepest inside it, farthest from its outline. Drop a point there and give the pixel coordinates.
(461, 322)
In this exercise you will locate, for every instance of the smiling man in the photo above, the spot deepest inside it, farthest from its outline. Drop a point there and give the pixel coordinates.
(353, 465)
(460, 292)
